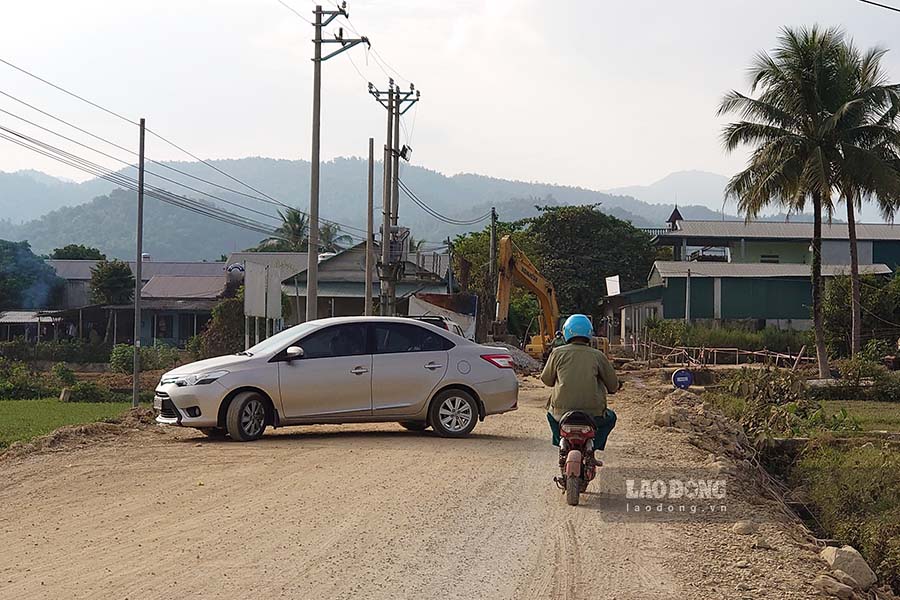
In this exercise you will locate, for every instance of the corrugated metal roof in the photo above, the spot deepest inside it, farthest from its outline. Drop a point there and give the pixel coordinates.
(667, 268)
(81, 269)
(183, 286)
(781, 230)
(289, 263)
(18, 317)
(352, 289)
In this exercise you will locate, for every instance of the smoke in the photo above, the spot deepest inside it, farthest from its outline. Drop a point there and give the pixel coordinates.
(26, 281)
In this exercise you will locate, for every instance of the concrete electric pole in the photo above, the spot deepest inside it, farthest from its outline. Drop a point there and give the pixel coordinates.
(370, 229)
(323, 19)
(396, 103)
(136, 372)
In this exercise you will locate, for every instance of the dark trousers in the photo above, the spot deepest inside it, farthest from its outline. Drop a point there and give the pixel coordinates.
(604, 425)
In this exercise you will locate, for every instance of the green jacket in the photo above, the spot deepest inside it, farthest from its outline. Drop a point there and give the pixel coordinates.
(580, 377)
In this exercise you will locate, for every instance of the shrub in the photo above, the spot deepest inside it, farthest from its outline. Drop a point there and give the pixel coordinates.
(17, 349)
(72, 351)
(855, 496)
(121, 358)
(88, 391)
(18, 382)
(677, 333)
(63, 375)
(776, 403)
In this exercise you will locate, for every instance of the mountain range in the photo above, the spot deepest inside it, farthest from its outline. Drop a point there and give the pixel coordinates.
(51, 212)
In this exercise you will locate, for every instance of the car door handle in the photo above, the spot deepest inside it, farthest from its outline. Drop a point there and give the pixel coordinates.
(359, 371)
(433, 365)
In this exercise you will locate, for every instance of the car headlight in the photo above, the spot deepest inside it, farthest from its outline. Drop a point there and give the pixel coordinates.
(200, 378)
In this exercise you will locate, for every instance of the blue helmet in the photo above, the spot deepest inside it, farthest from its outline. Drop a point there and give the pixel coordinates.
(578, 326)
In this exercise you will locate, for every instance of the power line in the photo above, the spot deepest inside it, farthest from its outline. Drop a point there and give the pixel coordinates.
(290, 8)
(434, 213)
(893, 8)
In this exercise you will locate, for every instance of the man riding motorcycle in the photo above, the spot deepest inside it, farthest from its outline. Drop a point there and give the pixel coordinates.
(581, 377)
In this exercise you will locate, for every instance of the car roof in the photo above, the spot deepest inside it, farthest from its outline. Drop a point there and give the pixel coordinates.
(376, 319)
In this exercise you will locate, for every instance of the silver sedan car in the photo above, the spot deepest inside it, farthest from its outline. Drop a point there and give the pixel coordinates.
(343, 370)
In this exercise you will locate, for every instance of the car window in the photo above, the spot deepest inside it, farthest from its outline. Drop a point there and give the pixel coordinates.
(338, 340)
(400, 337)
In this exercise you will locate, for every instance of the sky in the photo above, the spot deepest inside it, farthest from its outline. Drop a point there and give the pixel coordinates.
(591, 93)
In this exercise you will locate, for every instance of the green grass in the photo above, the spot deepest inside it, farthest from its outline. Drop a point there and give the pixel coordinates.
(25, 419)
(872, 416)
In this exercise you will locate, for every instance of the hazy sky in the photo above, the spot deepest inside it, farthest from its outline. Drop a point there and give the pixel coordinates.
(593, 93)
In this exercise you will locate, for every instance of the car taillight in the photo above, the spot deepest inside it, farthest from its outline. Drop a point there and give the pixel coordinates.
(501, 361)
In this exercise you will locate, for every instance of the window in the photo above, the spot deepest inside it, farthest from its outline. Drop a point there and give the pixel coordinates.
(339, 340)
(393, 338)
(772, 259)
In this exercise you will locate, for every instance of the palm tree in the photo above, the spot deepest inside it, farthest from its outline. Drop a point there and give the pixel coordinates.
(332, 239)
(792, 134)
(292, 235)
(864, 119)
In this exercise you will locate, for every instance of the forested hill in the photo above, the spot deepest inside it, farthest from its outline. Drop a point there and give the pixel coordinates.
(173, 233)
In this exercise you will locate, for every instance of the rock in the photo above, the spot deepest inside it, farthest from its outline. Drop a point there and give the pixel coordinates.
(663, 418)
(851, 562)
(744, 587)
(761, 543)
(845, 578)
(744, 528)
(742, 564)
(832, 587)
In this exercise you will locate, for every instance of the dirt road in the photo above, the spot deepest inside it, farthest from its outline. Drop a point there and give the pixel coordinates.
(372, 511)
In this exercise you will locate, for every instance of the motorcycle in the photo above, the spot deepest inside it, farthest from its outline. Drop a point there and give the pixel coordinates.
(576, 454)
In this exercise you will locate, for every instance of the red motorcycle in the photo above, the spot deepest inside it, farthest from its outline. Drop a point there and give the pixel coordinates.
(576, 454)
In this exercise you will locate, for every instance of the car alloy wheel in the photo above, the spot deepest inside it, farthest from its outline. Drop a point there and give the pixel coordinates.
(455, 414)
(253, 418)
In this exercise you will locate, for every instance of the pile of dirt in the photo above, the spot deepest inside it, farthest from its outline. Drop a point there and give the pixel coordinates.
(522, 361)
(71, 436)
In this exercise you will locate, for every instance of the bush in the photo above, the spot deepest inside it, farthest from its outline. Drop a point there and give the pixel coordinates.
(63, 375)
(855, 496)
(121, 359)
(17, 349)
(861, 379)
(677, 333)
(225, 332)
(71, 351)
(88, 391)
(777, 403)
(18, 382)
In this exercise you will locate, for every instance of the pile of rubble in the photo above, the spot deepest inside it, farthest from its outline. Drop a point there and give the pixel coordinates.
(710, 430)
(523, 362)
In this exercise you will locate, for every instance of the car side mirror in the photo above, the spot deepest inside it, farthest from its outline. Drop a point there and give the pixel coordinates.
(293, 352)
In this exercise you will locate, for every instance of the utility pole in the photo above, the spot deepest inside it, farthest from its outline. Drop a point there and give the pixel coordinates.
(136, 373)
(450, 266)
(312, 268)
(370, 226)
(493, 251)
(396, 103)
(687, 298)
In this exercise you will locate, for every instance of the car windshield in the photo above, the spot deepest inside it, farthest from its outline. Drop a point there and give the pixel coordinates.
(277, 341)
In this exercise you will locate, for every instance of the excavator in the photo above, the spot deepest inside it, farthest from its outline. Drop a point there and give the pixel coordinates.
(515, 267)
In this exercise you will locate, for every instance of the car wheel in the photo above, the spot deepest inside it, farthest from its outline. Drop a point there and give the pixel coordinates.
(414, 425)
(246, 417)
(214, 433)
(453, 413)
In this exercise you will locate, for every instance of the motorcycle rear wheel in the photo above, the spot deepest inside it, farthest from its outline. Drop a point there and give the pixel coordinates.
(573, 489)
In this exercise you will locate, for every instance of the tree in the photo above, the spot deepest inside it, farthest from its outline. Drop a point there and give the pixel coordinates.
(112, 282)
(880, 302)
(332, 239)
(579, 246)
(26, 281)
(77, 252)
(791, 131)
(291, 236)
(864, 116)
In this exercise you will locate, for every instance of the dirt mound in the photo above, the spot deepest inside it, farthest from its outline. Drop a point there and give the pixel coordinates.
(72, 436)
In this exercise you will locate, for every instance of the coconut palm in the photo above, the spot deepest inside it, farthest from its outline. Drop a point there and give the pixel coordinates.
(791, 133)
(292, 235)
(332, 239)
(864, 121)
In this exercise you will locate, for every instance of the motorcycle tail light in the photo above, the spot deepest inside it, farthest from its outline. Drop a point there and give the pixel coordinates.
(577, 428)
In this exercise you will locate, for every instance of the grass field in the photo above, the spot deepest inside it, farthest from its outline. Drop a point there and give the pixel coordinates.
(26, 419)
(872, 416)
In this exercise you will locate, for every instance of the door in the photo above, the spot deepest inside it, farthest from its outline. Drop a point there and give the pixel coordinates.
(334, 376)
(409, 363)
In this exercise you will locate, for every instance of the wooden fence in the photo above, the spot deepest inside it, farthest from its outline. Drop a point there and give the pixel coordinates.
(693, 356)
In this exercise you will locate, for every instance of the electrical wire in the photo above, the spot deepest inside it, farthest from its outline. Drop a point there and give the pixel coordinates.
(893, 8)
(290, 8)
(130, 184)
(169, 142)
(434, 213)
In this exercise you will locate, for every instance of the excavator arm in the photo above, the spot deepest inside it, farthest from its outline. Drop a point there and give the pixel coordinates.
(516, 268)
